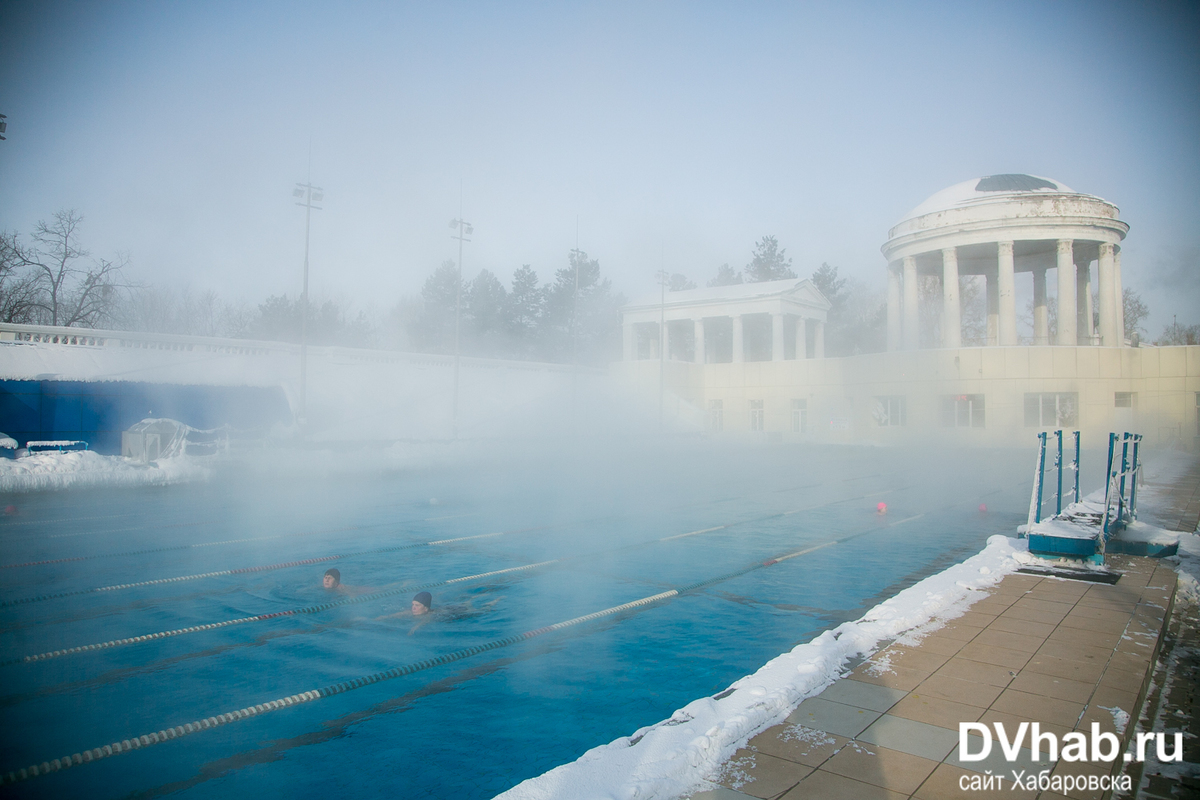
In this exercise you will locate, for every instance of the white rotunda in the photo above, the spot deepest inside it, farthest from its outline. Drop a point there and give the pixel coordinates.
(998, 226)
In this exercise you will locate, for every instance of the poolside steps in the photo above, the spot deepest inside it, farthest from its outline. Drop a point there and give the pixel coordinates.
(1064, 653)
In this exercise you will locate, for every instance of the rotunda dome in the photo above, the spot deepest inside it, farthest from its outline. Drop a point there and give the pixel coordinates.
(987, 188)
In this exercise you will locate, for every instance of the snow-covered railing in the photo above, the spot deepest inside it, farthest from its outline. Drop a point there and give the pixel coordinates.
(1118, 477)
(1039, 478)
(87, 337)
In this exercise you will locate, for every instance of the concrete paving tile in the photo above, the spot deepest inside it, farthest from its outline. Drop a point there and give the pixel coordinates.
(1075, 651)
(976, 618)
(962, 631)
(991, 605)
(1083, 768)
(912, 737)
(1038, 708)
(1090, 638)
(1101, 716)
(1049, 606)
(831, 717)
(910, 658)
(1091, 612)
(895, 678)
(1012, 722)
(1024, 582)
(881, 766)
(761, 775)
(996, 761)
(1122, 605)
(999, 656)
(1053, 686)
(960, 691)
(798, 743)
(947, 781)
(720, 793)
(936, 711)
(1023, 642)
(1125, 661)
(966, 670)
(1060, 667)
(1121, 682)
(1032, 615)
(862, 695)
(828, 786)
(1114, 696)
(942, 645)
(1102, 625)
(1022, 626)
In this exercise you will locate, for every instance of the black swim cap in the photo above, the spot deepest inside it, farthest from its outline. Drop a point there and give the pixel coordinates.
(425, 599)
(337, 576)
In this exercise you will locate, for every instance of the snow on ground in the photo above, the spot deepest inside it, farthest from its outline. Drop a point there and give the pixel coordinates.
(673, 757)
(83, 469)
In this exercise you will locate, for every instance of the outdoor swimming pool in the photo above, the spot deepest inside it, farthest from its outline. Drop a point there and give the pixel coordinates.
(609, 522)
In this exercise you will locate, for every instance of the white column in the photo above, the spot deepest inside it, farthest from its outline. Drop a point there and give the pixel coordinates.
(666, 341)
(911, 320)
(801, 338)
(777, 337)
(1085, 312)
(1041, 316)
(1006, 290)
(1120, 297)
(629, 341)
(1108, 305)
(738, 355)
(894, 339)
(699, 328)
(819, 339)
(993, 314)
(951, 309)
(1067, 331)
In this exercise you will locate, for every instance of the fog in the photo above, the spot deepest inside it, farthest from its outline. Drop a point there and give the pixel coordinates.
(671, 136)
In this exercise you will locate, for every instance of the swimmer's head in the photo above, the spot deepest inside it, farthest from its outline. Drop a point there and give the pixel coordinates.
(422, 603)
(332, 579)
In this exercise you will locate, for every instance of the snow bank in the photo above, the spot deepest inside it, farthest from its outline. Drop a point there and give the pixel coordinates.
(84, 469)
(674, 756)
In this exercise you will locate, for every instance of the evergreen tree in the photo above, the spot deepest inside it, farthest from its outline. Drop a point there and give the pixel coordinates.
(581, 325)
(726, 276)
(433, 330)
(680, 283)
(485, 303)
(524, 311)
(769, 262)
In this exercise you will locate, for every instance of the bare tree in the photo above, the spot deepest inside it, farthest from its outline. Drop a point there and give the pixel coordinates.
(71, 288)
(18, 287)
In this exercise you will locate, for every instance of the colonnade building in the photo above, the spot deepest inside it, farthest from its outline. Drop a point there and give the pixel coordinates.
(750, 359)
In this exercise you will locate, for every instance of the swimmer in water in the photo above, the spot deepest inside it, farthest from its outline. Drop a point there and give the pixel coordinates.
(332, 582)
(423, 611)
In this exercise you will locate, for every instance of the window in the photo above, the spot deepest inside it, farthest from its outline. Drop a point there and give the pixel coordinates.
(963, 411)
(1123, 400)
(716, 414)
(756, 415)
(799, 416)
(891, 411)
(1051, 409)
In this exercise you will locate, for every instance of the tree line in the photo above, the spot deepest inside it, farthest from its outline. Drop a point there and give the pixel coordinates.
(49, 278)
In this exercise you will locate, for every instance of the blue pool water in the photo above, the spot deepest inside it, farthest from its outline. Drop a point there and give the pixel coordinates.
(475, 727)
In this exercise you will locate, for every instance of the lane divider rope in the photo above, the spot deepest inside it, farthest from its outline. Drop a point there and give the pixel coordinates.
(167, 734)
(247, 570)
(379, 595)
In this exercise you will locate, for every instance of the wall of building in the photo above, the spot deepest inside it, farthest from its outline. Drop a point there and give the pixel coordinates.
(842, 395)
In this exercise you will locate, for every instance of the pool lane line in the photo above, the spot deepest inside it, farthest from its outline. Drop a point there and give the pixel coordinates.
(314, 609)
(246, 570)
(167, 734)
(391, 592)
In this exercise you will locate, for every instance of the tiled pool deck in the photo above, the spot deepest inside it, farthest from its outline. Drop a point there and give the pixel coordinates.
(1058, 652)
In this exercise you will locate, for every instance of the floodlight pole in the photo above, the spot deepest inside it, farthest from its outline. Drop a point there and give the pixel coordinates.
(310, 194)
(464, 228)
(663, 278)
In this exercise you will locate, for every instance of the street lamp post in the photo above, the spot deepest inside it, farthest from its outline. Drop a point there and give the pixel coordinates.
(664, 278)
(463, 230)
(310, 194)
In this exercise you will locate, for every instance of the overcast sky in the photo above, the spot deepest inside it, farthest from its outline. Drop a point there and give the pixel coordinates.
(676, 134)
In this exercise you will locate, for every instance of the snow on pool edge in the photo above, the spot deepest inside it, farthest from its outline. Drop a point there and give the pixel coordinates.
(673, 757)
(84, 469)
